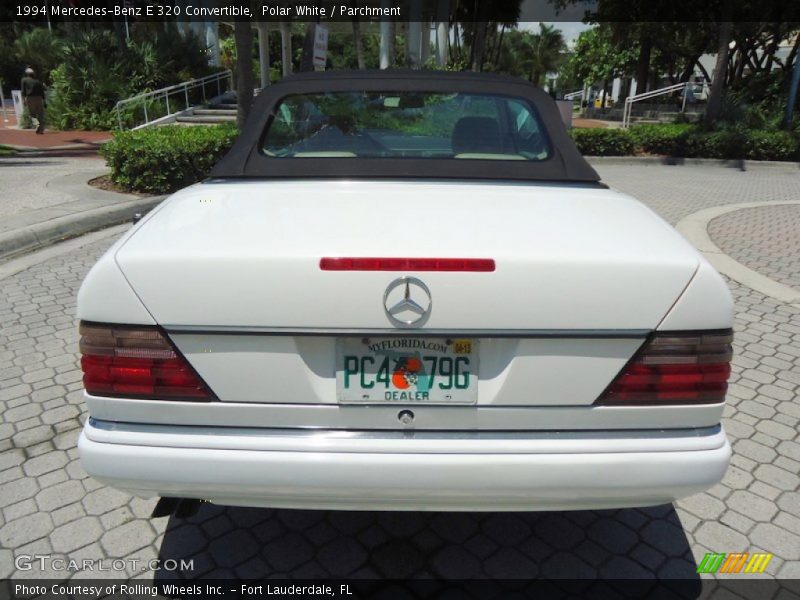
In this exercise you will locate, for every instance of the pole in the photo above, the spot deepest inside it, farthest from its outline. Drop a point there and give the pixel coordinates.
(792, 93)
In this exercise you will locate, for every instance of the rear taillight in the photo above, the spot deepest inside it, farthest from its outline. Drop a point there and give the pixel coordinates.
(136, 362)
(675, 368)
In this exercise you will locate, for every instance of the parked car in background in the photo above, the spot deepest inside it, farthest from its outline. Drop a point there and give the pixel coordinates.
(405, 291)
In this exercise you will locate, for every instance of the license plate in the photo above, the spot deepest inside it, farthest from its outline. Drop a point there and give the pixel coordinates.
(407, 370)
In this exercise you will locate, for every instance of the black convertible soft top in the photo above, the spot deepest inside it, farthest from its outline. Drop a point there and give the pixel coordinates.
(246, 160)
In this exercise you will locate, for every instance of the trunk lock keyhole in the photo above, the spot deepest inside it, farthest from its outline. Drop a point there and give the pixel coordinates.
(406, 417)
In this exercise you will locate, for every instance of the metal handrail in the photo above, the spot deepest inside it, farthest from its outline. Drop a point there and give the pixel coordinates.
(165, 93)
(626, 111)
(574, 95)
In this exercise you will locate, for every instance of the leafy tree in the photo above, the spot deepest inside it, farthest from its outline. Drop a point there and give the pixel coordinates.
(597, 57)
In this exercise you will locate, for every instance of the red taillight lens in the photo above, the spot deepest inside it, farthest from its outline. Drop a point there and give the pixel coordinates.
(675, 368)
(136, 362)
(406, 264)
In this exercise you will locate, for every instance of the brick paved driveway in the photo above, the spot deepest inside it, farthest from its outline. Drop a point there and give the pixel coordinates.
(765, 239)
(50, 506)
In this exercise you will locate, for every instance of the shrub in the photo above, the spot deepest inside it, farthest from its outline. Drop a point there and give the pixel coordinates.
(725, 143)
(163, 159)
(660, 139)
(95, 73)
(728, 143)
(772, 145)
(603, 142)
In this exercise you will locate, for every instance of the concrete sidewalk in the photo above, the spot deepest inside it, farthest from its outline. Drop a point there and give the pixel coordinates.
(51, 143)
(47, 200)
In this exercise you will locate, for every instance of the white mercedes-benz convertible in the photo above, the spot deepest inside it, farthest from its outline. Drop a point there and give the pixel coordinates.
(405, 291)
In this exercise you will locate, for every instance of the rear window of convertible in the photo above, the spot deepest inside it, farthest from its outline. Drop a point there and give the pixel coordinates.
(405, 125)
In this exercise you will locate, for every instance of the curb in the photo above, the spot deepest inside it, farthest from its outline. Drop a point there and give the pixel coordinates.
(673, 161)
(36, 150)
(38, 235)
(694, 228)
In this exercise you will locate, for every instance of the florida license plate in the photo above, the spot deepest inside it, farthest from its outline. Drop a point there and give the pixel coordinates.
(407, 370)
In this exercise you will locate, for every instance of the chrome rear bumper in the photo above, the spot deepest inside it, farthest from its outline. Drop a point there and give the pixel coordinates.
(403, 470)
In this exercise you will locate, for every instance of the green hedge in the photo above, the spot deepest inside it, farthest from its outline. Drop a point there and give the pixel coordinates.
(603, 142)
(163, 159)
(691, 141)
(772, 145)
(660, 139)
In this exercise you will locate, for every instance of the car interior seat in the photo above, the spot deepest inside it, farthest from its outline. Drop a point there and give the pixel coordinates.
(474, 135)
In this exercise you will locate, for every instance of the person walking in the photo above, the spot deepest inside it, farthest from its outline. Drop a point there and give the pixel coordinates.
(33, 98)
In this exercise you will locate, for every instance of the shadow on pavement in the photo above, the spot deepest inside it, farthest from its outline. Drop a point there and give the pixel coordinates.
(253, 543)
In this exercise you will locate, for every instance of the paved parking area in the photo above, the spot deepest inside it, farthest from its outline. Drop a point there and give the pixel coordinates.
(765, 239)
(49, 506)
(31, 183)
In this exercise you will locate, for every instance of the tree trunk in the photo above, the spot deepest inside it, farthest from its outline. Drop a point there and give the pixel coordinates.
(688, 69)
(243, 36)
(442, 31)
(286, 48)
(499, 46)
(119, 30)
(362, 63)
(386, 44)
(643, 64)
(479, 45)
(773, 47)
(704, 72)
(714, 106)
(414, 34)
(793, 86)
(793, 54)
(392, 43)
(307, 60)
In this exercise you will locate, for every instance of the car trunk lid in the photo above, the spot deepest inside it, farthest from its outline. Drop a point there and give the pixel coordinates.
(246, 255)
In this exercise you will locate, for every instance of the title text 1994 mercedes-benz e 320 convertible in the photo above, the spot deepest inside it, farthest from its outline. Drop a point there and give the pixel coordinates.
(405, 291)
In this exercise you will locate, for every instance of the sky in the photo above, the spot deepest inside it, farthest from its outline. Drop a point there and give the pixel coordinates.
(569, 29)
(568, 19)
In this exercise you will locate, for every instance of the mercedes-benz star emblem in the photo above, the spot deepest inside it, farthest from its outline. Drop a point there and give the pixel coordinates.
(407, 302)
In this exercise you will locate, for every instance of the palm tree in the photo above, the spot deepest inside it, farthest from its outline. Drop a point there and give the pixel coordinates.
(546, 50)
(40, 49)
